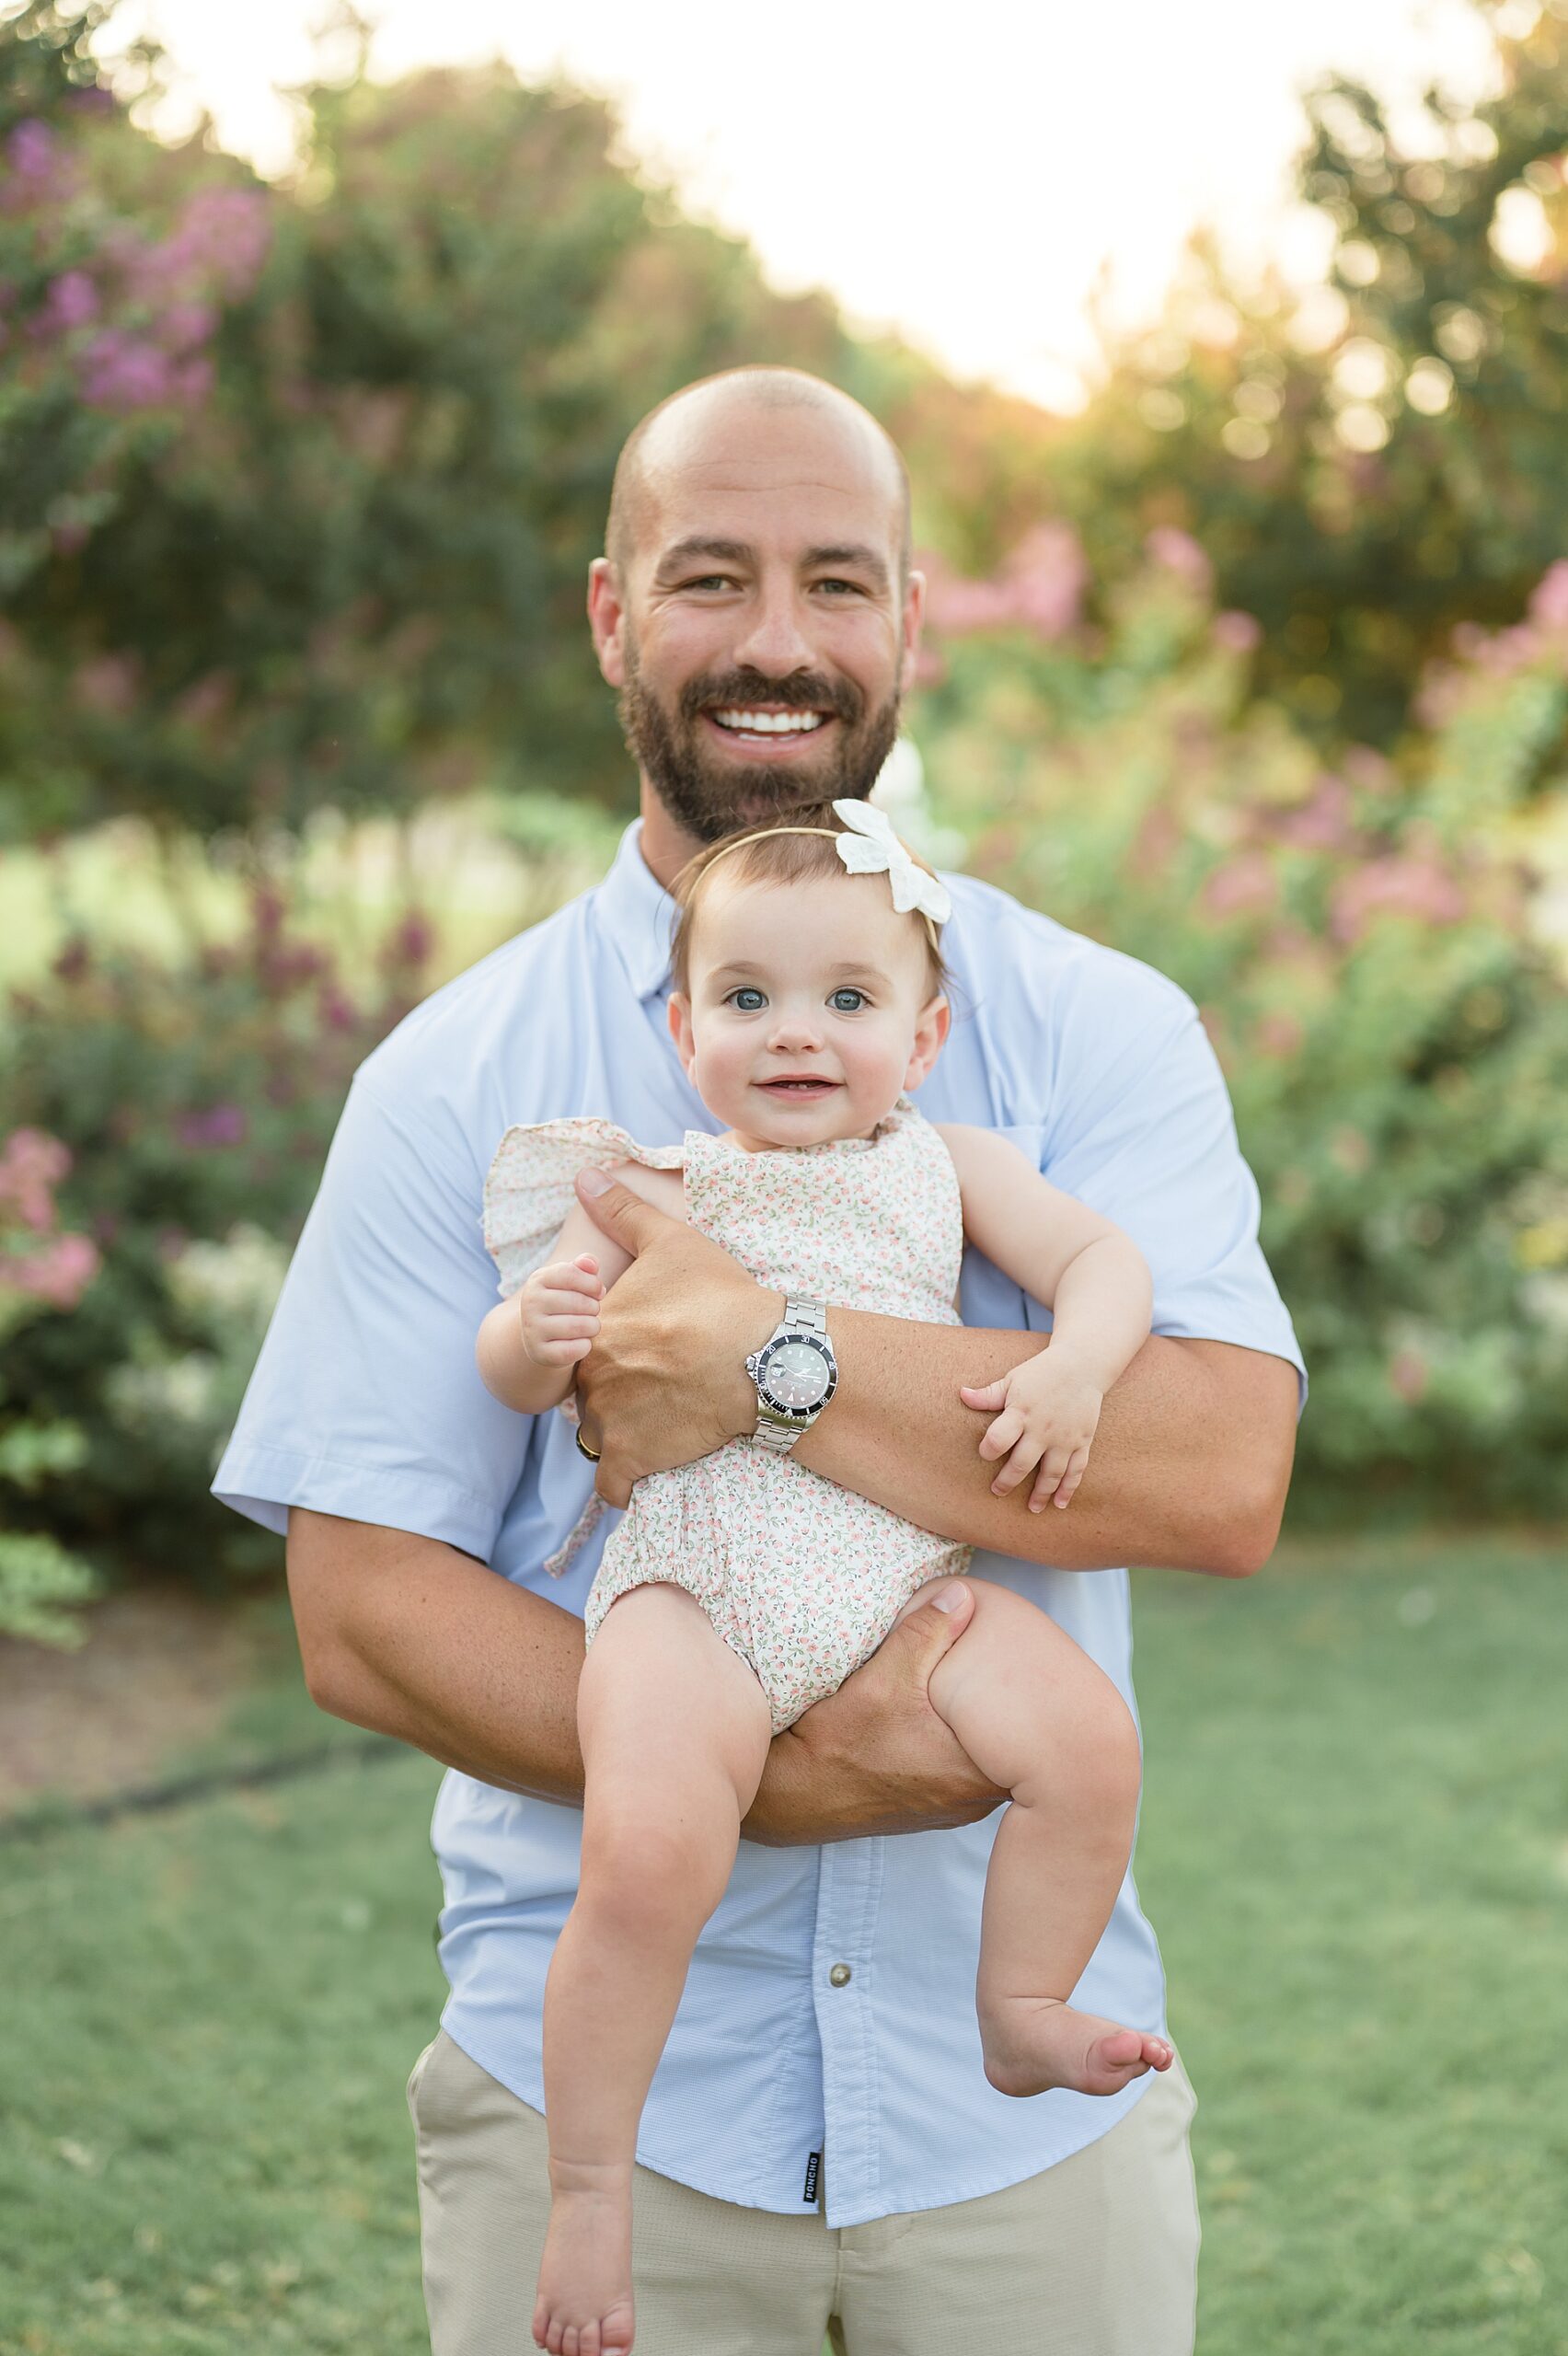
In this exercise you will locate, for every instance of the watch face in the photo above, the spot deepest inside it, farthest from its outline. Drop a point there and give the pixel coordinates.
(796, 1374)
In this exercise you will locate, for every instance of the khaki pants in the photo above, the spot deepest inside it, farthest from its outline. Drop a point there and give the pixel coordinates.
(1097, 2257)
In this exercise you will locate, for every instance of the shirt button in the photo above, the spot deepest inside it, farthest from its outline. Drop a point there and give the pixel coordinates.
(840, 1976)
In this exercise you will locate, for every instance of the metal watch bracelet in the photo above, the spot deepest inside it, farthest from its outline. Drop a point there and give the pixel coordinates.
(777, 1432)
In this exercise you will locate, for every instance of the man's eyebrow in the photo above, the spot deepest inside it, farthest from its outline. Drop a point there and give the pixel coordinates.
(699, 544)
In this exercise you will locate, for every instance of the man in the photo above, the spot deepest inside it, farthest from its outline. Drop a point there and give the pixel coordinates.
(820, 2149)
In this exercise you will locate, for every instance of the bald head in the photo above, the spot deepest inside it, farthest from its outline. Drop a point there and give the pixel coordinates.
(690, 422)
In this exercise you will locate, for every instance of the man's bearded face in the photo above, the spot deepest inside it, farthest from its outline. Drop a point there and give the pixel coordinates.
(677, 747)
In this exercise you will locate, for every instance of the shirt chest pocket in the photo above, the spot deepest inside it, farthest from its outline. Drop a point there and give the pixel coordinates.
(986, 1295)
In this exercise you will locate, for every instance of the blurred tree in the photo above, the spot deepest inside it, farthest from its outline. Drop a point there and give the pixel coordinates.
(303, 483)
(1375, 462)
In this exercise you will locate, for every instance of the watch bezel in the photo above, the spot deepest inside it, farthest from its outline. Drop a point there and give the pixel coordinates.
(757, 1369)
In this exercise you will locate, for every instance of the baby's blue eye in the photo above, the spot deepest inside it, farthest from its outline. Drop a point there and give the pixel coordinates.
(747, 1001)
(848, 1001)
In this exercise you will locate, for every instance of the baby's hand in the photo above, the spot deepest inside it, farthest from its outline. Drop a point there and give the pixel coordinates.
(561, 1311)
(1048, 1417)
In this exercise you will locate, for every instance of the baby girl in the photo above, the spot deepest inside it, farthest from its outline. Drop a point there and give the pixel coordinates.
(807, 1005)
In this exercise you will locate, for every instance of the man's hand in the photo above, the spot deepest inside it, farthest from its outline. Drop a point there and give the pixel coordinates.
(874, 1757)
(665, 1382)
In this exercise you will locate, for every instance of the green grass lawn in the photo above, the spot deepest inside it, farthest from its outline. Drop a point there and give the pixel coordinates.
(1355, 1844)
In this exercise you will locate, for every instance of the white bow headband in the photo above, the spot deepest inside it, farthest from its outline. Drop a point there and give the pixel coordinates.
(870, 848)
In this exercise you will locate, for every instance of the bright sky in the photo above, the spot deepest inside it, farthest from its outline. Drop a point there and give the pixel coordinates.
(964, 174)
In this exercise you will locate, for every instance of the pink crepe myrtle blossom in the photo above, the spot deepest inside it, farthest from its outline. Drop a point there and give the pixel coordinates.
(32, 1164)
(1041, 587)
(1177, 553)
(57, 1275)
(1549, 600)
(1418, 887)
(1322, 822)
(1243, 886)
(1280, 1034)
(1235, 632)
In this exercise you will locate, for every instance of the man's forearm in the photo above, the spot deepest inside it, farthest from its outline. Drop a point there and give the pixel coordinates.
(1189, 1468)
(409, 1637)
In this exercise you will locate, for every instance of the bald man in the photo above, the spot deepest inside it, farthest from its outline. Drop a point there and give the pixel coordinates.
(821, 2153)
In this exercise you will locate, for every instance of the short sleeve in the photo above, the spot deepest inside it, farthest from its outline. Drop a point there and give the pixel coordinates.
(1145, 1135)
(529, 1189)
(365, 1401)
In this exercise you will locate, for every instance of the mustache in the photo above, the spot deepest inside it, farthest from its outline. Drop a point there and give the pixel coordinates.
(802, 691)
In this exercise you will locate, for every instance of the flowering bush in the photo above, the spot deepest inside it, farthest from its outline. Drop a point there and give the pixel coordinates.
(1359, 941)
(42, 1268)
(196, 1104)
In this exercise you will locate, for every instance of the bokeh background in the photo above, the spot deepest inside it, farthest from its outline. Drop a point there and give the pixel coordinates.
(1236, 408)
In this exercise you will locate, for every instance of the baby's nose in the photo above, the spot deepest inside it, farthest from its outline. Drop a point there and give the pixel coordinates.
(794, 1034)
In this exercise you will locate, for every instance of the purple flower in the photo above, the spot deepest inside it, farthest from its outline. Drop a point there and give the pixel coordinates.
(32, 151)
(119, 372)
(72, 300)
(220, 1125)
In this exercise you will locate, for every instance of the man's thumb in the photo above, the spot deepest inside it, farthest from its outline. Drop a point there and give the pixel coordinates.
(934, 1625)
(617, 1210)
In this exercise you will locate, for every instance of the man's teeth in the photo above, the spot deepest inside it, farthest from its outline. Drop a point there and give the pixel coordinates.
(770, 723)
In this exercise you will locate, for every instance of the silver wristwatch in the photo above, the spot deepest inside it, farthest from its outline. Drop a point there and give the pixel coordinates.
(796, 1374)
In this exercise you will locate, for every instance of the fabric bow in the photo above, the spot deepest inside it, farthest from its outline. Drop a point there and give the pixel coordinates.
(872, 845)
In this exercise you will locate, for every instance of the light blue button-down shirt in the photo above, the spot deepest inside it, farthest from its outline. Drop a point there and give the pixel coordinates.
(365, 1403)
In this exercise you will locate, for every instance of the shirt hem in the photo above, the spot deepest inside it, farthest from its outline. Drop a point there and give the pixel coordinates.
(837, 2219)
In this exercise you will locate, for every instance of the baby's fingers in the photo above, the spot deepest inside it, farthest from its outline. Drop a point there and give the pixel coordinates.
(1072, 1476)
(1003, 1433)
(1061, 1470)
(986, 1396)
(1024, 1458)
(579, 1275)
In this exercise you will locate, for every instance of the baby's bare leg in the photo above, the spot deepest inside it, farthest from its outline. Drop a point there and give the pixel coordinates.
(1037, 1715)
(675, 1730)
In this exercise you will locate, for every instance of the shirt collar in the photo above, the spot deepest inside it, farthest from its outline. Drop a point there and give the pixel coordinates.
(639, 915)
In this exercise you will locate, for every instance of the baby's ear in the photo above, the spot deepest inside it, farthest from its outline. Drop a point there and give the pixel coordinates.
(930, 1034)
(680, 1027)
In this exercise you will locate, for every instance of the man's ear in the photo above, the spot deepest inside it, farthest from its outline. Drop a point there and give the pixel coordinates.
(910, 623)
(931, 1036)
(681, 1031)
(607, 620)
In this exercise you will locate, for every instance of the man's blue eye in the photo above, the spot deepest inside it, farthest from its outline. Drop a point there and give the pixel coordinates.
(747, 1001)
(848, 1001)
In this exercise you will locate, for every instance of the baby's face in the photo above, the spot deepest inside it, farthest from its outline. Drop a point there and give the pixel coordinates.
(810, 1009)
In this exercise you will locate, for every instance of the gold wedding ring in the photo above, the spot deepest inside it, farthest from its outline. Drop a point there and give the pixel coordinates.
(583, 1449)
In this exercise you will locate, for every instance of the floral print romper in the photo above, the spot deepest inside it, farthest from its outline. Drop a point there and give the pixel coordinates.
(800, 1577)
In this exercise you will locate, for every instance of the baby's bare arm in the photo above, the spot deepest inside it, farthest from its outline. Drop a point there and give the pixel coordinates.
(530, 1345)
(1094, 1280)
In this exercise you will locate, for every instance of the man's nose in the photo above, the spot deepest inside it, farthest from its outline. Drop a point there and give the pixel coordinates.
(773, 639)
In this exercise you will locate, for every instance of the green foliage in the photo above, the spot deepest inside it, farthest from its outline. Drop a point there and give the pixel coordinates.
(1369, 468)
(1359, 943)
(197, 1101)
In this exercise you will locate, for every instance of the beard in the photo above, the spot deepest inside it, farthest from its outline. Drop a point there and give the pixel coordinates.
(708, 796)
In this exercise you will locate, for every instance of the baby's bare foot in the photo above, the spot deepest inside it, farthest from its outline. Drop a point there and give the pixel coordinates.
(584, 2307)
(1034, 2043)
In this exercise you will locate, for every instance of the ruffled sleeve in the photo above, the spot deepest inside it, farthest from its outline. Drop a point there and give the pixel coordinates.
(529, 1191)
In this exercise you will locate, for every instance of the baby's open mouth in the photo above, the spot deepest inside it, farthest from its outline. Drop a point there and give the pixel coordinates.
(798, 1087)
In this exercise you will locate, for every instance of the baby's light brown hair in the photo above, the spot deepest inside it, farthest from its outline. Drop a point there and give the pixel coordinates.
(777, 851)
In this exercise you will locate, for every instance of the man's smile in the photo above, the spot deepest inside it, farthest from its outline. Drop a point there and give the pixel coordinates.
(774, 734)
